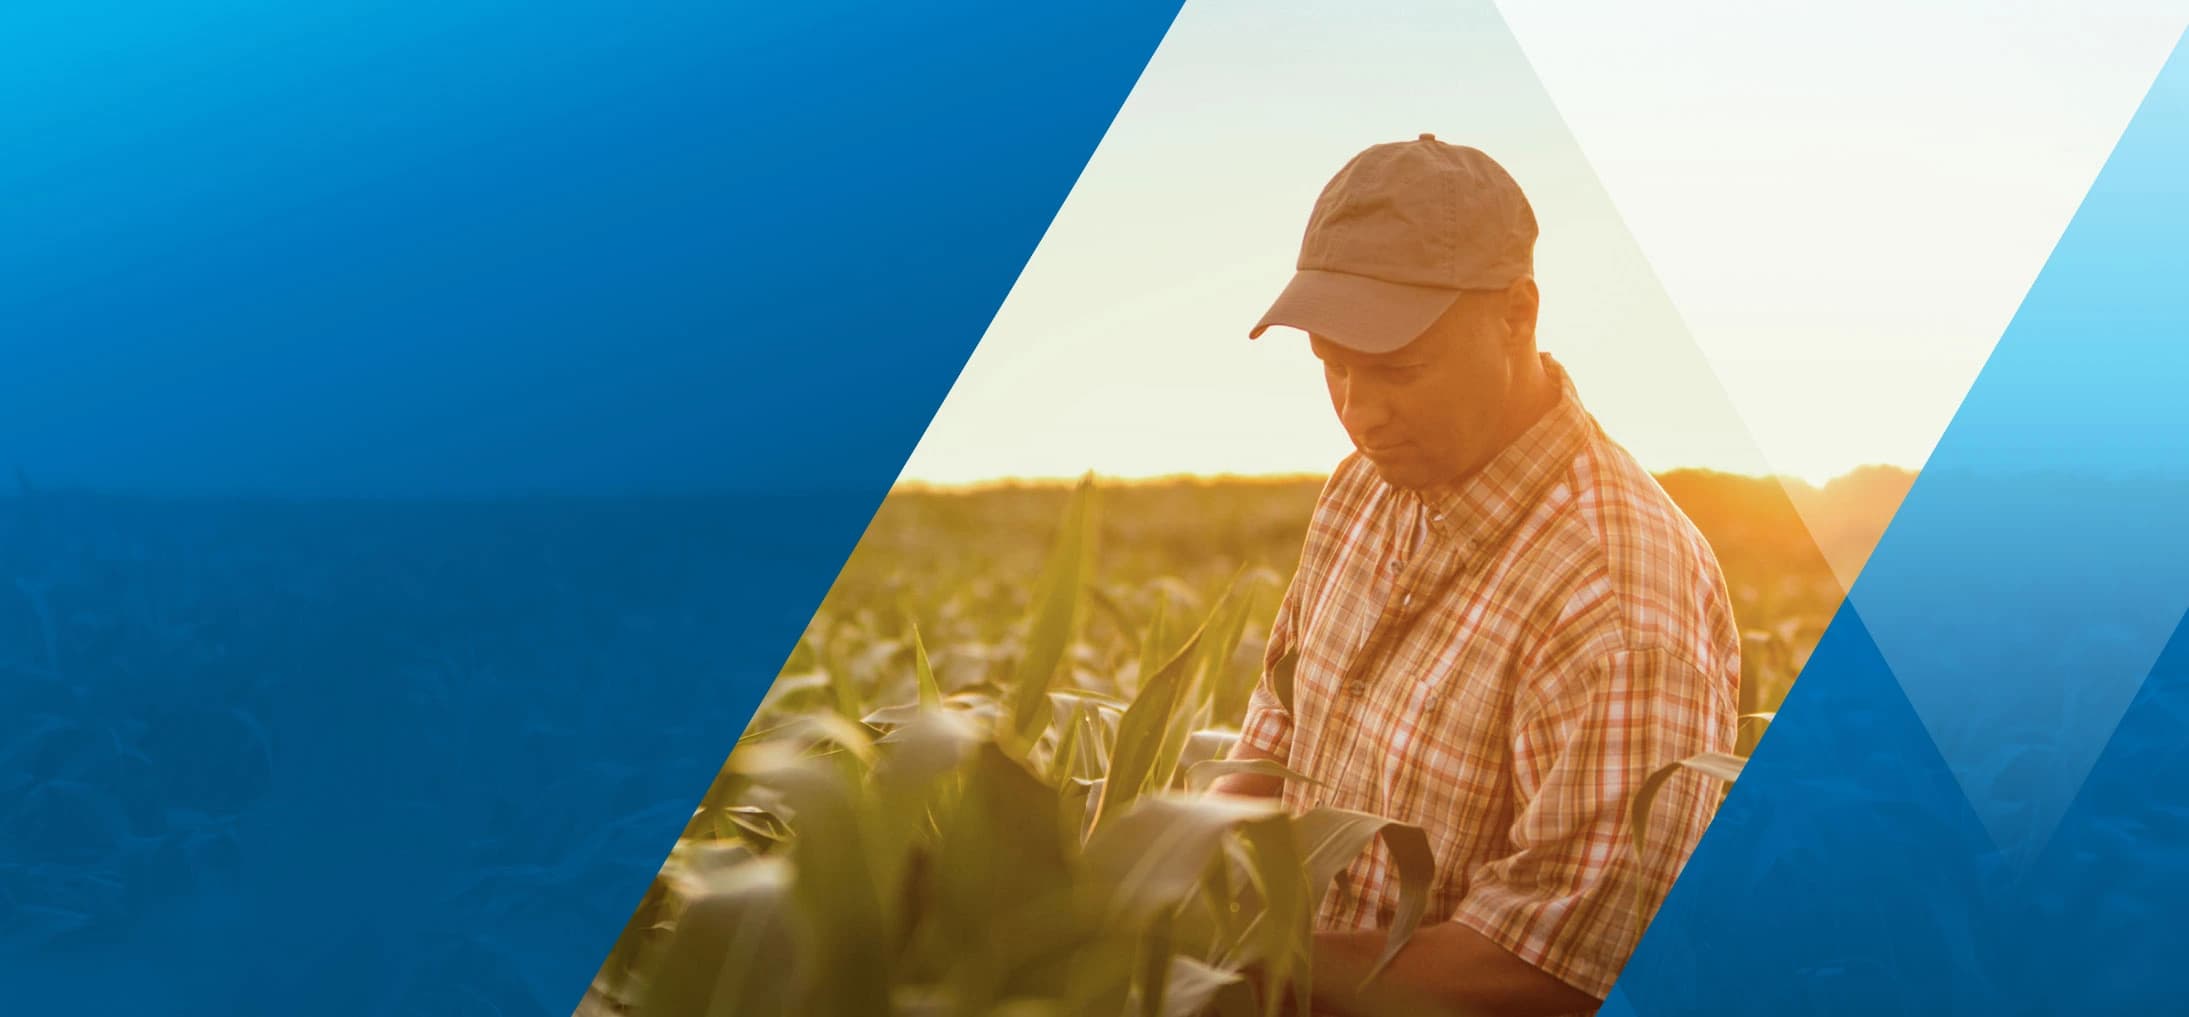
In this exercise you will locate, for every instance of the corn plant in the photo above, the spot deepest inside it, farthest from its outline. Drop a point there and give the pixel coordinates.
(963, 797)
(1024, 847)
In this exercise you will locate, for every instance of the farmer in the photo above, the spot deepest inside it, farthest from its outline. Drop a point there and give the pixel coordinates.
(1500, 624)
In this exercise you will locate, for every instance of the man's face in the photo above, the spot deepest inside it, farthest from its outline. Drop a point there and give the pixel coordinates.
(1433, 410)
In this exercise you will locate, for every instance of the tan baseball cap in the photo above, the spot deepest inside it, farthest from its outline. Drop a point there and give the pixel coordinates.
(1395, 238)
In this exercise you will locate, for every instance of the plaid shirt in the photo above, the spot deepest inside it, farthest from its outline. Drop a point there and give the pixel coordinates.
(1502, 662)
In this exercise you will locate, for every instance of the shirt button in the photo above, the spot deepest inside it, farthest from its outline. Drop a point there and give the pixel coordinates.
(1355, 687)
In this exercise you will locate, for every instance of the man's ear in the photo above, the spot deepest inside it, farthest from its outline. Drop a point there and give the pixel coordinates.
(1522, 300)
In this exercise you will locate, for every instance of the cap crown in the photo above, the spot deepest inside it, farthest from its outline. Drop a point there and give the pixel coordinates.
(1423, 213)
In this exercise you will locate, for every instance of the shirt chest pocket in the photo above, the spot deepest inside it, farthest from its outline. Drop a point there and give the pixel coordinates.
(1438, 745)
(1329, 647)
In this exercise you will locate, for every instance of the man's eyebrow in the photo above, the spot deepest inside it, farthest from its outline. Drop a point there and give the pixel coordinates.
(1331, 352)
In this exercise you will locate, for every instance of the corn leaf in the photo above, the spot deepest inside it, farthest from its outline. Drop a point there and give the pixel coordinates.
(733, 952)
(1141, 734)
(1206, 772)
(1721, 765)
(839, 890)
(1280, 937)
(1059, 598)
(1189, 987)
(1004, 878)
(1152, 981)
(1150, 858)
(1064, 763)
(1227, 628)
(1203, 747)
(923, 672)
(1333, 838)
(1154, 642)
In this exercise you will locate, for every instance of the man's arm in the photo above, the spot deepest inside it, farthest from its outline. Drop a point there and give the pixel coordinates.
(1445, 968)
(1266, 731)
(1575, 894)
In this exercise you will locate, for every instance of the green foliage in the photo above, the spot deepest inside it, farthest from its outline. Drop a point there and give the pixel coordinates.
(1007, 846)
(1059, 600)
(943, 875)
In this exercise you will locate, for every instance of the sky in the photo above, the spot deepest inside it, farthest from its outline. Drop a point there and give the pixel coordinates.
(1772, 240)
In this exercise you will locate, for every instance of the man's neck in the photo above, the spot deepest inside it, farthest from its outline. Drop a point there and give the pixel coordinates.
(1534, 393)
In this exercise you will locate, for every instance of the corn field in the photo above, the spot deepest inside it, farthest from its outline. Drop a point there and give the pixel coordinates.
(978, 785)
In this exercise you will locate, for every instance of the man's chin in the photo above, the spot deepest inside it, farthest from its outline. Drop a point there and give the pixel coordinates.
(1410, 474)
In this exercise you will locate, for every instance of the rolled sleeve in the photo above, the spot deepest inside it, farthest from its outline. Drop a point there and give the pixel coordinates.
(1267, 728)
(1573, 897)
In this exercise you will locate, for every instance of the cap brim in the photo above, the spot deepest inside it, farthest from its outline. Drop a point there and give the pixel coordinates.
(1354, 311)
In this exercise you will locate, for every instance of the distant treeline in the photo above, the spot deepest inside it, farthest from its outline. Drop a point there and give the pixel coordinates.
(1770, 534)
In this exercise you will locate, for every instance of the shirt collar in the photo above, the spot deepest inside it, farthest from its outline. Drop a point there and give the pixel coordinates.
(1476, 510)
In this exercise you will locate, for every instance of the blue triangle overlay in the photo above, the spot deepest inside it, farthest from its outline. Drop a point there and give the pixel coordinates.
(1973, 800)
(1849, 840)
(2030, 578)
(438, 422)
(2110, 887)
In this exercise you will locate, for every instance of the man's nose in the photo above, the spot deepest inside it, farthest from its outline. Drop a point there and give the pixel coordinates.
(1364, 410)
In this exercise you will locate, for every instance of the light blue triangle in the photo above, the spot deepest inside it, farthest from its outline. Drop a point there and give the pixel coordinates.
(2039, 563)
(1974, 799)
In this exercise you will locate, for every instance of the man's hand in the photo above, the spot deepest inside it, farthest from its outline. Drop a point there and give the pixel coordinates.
(1256, 785)
(1447, 968)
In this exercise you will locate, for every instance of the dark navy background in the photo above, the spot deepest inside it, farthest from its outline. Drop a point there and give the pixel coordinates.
(429, 427)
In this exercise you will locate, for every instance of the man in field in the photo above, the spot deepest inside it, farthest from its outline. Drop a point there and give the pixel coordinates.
(1500, 624)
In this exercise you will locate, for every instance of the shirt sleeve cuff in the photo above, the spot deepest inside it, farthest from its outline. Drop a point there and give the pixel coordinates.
(1267, 730)
(1576, 938)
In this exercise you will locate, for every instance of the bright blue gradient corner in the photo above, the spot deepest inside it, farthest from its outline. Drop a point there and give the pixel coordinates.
(475, 248)
(1974, 799)
(2037, 566)
(435, 424)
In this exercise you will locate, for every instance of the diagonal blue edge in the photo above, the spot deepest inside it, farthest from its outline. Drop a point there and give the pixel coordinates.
(2036, 567)
(1840, 873)
(1846, 874)
(1974, 799)
(435, 425)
